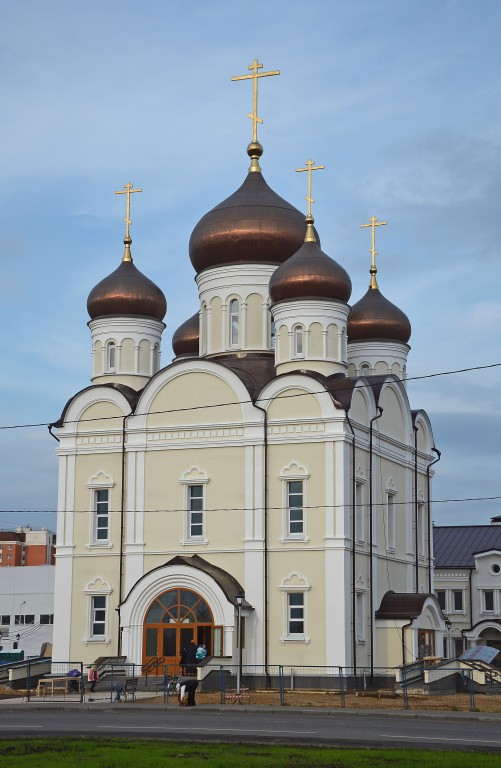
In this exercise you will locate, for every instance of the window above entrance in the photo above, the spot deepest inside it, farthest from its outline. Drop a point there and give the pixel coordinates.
(179, 606)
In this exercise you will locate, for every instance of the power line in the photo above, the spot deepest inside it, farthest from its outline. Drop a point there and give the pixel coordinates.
(256, 508)
(251, 402)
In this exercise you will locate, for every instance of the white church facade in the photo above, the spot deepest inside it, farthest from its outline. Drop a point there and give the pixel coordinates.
(276, 457)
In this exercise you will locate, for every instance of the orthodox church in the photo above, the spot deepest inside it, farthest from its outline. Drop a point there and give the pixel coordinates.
(273, 471)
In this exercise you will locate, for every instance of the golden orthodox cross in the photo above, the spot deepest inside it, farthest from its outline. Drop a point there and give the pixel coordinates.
(255, 66)
(127, 190)
(310, 166)
(373, 223)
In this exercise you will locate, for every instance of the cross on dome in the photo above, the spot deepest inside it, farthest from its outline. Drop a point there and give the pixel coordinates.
(373, 223)
(254, 67)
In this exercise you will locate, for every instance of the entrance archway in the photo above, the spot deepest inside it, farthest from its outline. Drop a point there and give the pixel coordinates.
(171, 621)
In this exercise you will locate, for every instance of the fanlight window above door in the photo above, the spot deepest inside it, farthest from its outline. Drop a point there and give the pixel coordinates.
(179, 606)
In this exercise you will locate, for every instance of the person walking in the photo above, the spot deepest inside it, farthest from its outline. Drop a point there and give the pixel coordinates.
(93, 677)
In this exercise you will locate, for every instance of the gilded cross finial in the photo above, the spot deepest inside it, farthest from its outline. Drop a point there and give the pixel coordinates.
(310, 167)
(254, 67)
(127, 190)
(373, 223)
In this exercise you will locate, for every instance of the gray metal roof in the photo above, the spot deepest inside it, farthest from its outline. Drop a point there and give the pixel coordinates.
(454, 546)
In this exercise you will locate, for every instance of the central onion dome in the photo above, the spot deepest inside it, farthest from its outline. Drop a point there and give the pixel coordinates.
(253, 225)
(185, 341)
(310, 273)
(126, 292)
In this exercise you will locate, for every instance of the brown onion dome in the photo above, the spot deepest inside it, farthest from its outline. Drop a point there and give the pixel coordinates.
(253, 225)
(185, 341)
(310, 273)
(376, 318)
(126, 292)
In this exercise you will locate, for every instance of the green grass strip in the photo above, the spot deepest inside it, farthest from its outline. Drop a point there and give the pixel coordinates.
(122, 753)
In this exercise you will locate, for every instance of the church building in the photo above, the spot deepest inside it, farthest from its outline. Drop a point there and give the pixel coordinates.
(273, 467)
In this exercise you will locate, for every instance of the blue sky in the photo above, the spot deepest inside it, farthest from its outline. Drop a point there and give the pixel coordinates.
(399, 99)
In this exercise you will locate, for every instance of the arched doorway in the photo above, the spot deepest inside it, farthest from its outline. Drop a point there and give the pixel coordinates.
(172, 620)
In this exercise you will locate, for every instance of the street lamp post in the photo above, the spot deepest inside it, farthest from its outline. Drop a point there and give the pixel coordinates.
(240, 599)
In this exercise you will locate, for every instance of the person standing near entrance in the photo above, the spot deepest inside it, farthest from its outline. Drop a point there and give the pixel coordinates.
(93, 677)
(191, 658)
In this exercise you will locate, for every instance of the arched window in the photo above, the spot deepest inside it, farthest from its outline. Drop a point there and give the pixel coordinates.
(273, 334)
(234, 322)
(298, 341)
(111, 356)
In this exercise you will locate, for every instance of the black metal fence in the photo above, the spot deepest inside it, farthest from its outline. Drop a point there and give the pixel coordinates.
(446, 686)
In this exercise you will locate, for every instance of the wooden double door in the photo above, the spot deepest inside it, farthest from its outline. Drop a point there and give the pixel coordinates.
(172, 620)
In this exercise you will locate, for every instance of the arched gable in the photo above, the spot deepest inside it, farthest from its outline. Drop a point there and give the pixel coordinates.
(194, 392)
(363, 404)
(425, 440)
(95, 409)
(396, 420)
(295, 396)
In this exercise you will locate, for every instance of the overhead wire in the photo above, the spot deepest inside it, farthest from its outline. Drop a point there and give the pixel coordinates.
(359, 385)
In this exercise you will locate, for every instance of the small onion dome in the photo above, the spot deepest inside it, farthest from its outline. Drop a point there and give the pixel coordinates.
(374, 317)
(253, 225)
(185, 341)
(127, 292)
(310, 273)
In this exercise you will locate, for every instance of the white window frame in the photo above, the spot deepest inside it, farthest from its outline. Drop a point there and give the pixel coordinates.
(453, 599)
(390, 521)
(489, 611)
(360, 616)
(111, 356)
(234, 323)
(194, 477)
(298, 335)
(421, 526)
(360, 506)
(295, 511)
(295, 584)
(97, 588)
(101, 481)
(292, 473)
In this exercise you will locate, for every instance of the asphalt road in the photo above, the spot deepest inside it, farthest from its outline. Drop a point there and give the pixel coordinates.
(306, 727)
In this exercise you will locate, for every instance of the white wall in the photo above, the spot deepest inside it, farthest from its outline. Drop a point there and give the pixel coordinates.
(27, 590)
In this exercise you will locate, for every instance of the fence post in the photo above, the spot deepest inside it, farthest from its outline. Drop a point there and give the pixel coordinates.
(341, 686)
(166, 684)
(404, 687)
(281, 684)
(222, 684)
(28, 682)
(471, 690)
(81, 686)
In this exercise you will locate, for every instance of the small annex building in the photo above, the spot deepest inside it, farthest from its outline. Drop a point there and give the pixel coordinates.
(275, 457)
(468, 584)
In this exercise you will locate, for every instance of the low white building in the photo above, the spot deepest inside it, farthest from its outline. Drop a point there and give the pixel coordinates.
(26, 608)
(468, 584)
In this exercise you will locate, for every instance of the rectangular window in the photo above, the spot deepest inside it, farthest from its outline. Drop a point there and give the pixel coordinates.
(295, 516)
(102, 509)
(421, 541)
(457, 597)
(46, 618)
(489, 600)
(195, 511)
(441, 598)
(359, 512)
(98, 616)
(5, 620)
(390, 521)
(360, 616)
(295, 604)
(298, 342)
